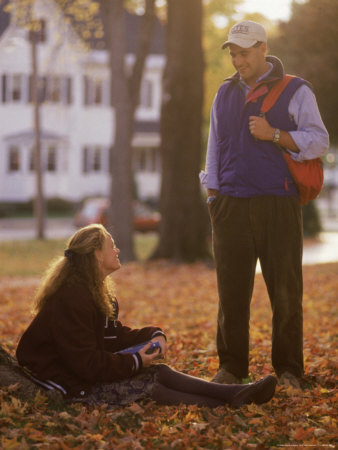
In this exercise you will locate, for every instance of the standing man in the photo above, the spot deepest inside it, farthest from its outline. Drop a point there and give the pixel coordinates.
(254, 205)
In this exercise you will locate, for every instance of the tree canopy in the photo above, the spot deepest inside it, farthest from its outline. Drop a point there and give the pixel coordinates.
(307, 46)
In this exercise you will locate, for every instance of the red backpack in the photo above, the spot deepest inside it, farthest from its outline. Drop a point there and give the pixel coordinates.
(307, 175)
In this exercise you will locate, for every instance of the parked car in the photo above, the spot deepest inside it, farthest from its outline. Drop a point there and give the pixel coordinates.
(95, 210)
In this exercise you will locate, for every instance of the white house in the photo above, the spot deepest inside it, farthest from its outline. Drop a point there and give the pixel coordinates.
(77, 126)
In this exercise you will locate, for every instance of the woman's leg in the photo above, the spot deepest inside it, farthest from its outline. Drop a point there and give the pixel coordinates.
(166, 396)
(176, 387)
(182, 382)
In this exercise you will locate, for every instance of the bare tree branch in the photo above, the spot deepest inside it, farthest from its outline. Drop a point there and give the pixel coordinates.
(145, 36)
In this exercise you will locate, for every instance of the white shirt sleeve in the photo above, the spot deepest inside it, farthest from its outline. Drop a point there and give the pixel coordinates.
(311, 136)
(209, 178)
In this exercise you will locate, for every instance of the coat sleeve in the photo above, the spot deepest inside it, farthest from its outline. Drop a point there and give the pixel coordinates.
(74, 328)
(118, 336)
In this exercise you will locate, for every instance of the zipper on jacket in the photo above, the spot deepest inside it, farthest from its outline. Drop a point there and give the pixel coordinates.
(286, 184)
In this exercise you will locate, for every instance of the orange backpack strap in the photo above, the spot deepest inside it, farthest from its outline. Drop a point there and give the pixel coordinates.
(275, 92)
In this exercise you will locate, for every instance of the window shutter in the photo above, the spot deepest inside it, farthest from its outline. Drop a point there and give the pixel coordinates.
(69, 90)
(86, 90)
(4, 88)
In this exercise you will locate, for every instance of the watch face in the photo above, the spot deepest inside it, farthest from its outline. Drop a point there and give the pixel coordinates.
(276, 135)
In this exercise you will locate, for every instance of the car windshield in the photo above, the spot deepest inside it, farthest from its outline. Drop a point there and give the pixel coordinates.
(89, 210)
(141, 210)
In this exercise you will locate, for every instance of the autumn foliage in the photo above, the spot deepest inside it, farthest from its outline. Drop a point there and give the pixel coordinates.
(182, 299)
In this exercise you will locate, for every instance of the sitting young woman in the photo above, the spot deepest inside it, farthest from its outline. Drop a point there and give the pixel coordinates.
(73, 342)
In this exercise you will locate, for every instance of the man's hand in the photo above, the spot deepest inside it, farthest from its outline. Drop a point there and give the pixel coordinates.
(260, 128)
(212, 192)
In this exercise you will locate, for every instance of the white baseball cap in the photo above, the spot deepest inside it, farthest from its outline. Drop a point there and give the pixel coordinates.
(246, 34)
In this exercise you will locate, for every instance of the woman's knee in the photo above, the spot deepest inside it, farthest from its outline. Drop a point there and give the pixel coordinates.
(163, 370)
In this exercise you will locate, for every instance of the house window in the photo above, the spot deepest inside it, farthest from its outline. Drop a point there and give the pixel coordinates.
(96, 91)
(92, 160)
(97, 157)
(14, 159)
(154, 159)
(39, 33)
(146, 93)
(145, 159)
(16, 88)
(32, 160)
(13, 88)
(54, 88)
(51, 159)
(41, 89)
(42, 31)
(98, 94)
(142, 160)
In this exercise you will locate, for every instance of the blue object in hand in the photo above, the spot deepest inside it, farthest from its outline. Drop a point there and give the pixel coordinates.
(137, 347)
(154, 346)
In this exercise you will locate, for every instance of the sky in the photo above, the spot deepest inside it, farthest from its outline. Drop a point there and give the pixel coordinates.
(272, 9)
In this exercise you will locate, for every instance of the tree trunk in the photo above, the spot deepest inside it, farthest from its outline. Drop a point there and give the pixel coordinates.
(39, 202)
(184, 217)
(125, 90)
(22, 387)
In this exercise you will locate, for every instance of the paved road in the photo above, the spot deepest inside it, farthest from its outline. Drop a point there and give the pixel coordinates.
(323, 250)
(24, 229)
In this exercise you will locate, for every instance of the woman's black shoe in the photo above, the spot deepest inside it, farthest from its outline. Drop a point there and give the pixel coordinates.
(259, 392)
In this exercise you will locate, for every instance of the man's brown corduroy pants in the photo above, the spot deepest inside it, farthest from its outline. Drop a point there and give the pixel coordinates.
(267, 228)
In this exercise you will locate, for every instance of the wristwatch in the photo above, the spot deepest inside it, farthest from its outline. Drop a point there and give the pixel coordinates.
(276, 135)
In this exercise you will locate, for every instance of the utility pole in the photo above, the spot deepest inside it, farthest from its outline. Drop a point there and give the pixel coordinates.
(35, 36)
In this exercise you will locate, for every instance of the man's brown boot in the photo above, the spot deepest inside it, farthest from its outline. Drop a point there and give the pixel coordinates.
(223, 376)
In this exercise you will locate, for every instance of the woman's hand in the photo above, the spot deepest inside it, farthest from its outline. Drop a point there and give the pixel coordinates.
(163, 343)
(147, 359)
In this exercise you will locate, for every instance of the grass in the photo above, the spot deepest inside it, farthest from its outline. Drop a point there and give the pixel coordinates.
(30, 258)
(145, 245)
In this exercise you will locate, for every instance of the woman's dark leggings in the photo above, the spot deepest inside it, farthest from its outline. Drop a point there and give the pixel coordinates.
(173, 388)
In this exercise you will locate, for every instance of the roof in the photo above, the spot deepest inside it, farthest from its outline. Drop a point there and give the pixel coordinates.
(28, 135)
(132, 24)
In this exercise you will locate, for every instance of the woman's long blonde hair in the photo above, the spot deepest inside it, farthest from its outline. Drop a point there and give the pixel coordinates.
(79, 266)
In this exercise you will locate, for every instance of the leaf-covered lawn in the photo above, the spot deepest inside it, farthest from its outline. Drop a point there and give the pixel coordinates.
(183, 301)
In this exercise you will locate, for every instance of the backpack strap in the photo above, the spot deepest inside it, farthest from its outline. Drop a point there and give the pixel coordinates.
(256, 92)
(275, 92)
(261, 88)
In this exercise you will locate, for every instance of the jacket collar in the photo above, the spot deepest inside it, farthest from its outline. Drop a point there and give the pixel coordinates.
(275, 74)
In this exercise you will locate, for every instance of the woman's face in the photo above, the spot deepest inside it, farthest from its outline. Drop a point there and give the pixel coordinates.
(108, 257)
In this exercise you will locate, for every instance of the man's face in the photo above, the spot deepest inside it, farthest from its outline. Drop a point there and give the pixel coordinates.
(249, 62)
